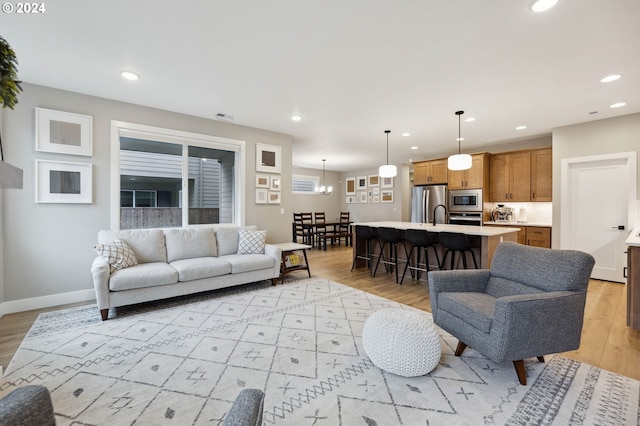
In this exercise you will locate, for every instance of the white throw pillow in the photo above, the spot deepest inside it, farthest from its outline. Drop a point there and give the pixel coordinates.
(117, 253)
(251, 242)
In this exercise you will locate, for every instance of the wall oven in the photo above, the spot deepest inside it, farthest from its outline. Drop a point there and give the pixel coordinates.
(465, 200)
(465, 218)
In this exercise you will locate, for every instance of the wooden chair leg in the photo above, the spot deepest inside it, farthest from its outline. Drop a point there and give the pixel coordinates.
(460, 348)
(104, 314)
(520, 371)
(541, 358)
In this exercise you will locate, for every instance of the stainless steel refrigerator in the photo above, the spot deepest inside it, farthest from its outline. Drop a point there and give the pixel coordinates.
(424, 200)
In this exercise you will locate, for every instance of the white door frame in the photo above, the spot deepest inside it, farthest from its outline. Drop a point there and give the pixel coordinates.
(566, 164)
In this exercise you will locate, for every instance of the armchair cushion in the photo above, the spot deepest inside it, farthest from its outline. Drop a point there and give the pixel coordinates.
(28, 405)
(474, 308)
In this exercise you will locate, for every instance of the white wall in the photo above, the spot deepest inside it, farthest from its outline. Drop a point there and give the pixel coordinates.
(330, 204)
(48, 247)
(613, 135)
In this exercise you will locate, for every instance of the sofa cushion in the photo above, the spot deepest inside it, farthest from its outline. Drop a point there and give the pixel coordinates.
(117, 253)
(251, 242)
(473, 308)
(187, 243)
(147, 244)
(249, 262)
(143, 275)
(200, 267)
(227, 237)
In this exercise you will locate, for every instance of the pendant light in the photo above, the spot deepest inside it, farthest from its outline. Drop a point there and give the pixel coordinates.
(323, 190)
(388, 170)
(459, 161)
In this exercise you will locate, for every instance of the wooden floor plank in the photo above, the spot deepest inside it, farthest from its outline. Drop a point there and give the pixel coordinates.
(606, 340)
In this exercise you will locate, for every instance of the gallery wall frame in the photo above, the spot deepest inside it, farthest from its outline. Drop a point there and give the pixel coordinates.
(351, 199)
(64, 182)
(273, 197)
(274, 183)
(386, 182)
(374, 180)
(262, 181)
(64, 132)
(362, 197)
(361, 182)
(261, 195)
(386, 196)
(350, 186)
(268, 158)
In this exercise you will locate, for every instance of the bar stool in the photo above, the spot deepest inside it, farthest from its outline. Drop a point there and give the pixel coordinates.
(420, 240)
(365, 233)
(390, 237)
(455, 242)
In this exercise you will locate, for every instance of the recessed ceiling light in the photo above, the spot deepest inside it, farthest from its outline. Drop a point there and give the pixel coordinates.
(470, 119)
(542, 5)
(406, 134)
(521, 127)
(296, 117)
(129, 75)
(610, 78)
(414, 147)
(617, 105)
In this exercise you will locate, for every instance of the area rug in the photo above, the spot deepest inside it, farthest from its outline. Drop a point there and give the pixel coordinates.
(185, 361)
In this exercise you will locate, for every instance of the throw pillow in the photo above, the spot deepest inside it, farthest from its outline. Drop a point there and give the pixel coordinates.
(251, 242)
(117, 253)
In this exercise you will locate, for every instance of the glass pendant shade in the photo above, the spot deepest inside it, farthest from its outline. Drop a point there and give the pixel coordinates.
(388, 170)
(459, 162)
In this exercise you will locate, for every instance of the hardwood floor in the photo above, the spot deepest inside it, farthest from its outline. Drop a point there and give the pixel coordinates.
(606, 340)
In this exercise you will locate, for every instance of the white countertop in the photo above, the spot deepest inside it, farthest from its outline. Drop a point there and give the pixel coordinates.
(493, 223)
(634, 238)
(483, 231)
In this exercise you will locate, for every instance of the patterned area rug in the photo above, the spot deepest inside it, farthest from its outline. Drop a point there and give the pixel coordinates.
(183, 362)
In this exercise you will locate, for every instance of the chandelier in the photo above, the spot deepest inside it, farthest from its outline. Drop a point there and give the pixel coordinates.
(323, 190)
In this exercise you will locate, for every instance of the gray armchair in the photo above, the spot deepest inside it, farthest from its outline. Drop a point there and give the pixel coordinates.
(28, 405)
(246, 409)
(529, 304)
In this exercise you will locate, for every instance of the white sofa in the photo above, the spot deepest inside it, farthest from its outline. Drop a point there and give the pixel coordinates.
(178, 261)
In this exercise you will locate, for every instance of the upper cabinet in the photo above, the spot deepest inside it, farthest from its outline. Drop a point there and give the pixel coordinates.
(476, 177)
(541, 172)
(521, 176)
(430, 172)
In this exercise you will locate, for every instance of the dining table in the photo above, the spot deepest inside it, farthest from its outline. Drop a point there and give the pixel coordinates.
(313, 226)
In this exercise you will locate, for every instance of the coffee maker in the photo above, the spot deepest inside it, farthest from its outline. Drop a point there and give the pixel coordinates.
(502, 213)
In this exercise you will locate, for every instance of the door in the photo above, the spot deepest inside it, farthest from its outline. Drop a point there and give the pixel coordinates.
(596, 210)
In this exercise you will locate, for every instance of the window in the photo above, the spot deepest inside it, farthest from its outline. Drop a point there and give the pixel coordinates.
(304, 184)
(168, 181)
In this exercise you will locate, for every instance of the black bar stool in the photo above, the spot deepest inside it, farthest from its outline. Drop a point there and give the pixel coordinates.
(365, 233)
(420, 240)
(455, 242)
(390, 237)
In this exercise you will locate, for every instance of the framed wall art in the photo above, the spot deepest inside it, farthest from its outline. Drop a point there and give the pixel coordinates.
(386, 182)
(268, 158)
(262, 181)
(386, 196)
(63, 182)
(361, 182)
(351, 199)
(261, 195)
(376, 199)
(374, 180)
(351, 186)
(362, 197)
(63, 132)
(274, 183)
(273, 198)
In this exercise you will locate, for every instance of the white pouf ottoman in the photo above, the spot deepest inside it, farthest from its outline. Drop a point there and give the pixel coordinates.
(401, 342)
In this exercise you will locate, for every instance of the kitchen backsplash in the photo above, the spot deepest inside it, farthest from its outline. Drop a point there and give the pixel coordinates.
(529, 212)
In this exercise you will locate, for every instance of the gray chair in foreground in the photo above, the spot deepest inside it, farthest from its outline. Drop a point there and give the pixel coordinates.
(529, 304)
(246, 409)
(28, 405)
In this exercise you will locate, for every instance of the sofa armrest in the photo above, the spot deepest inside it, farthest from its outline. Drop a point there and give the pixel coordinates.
(246, 409)
(539, 324)
(101, 273)
(459, 280)
(28, 405)
(276, 253)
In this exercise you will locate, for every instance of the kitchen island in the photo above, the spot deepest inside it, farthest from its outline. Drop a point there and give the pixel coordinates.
(489, 236)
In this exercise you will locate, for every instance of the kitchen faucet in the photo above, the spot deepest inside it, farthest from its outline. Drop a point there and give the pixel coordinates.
(434, 213)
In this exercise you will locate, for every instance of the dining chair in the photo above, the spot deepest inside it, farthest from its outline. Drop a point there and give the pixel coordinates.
(320, 230)
(303, 228)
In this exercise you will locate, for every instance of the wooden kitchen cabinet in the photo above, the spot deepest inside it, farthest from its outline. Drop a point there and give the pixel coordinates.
(476, 177)
(430, 172)
(510, 176)
(633, 287)
(541, 172)
(538, 236)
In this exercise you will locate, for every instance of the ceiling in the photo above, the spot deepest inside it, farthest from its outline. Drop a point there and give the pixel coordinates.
(351, 68)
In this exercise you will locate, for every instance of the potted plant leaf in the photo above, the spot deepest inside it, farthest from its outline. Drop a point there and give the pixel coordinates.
(10, 176)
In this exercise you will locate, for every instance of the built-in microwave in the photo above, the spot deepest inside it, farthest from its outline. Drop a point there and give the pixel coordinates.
(465, 200)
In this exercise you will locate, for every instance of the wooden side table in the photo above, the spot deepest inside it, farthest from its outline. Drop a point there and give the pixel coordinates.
(291, 261)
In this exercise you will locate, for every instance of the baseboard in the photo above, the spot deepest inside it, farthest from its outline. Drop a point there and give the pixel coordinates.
(32, 303)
